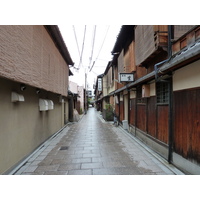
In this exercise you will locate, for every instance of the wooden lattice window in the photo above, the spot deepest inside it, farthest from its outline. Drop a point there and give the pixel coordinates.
(162, 91)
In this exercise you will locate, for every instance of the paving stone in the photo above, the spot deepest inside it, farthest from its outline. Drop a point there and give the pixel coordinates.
(31, 168)
(46, 168)
(69, 167)
(81, 160)
(56, 173)
(61, 161)
(91, 165)
(91, 155)
(94, 147)
(80, 172)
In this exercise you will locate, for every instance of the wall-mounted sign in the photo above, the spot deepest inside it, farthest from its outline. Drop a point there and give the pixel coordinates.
(126, 77)
(99, 84)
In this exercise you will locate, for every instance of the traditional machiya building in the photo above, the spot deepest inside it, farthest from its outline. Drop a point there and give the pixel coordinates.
(156, 73)
(34, 70)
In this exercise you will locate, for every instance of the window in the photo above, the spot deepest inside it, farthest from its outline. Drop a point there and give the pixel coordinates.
(162, 91)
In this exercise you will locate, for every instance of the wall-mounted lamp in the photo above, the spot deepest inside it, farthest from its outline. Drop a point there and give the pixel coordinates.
(22, 87)
(37, 91)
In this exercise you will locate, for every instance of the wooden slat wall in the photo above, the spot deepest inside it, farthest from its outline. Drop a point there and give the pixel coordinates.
(140, 72)
(129, 59)
(127, 63)
(117, 109)
(184, 41)
(141, 117)
(132, 59)
(132, 111)
(121, 110)
(162, 123)
(187, 123)
(180, 30)
(144, 42)
(151, 125)
(151, 118)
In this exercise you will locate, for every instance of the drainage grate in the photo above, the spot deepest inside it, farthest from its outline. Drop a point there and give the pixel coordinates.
(64, 148)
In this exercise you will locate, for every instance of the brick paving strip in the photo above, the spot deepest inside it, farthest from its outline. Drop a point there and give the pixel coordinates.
(93, 147)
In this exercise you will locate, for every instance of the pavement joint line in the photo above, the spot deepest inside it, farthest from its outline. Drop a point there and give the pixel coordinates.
(153, 153)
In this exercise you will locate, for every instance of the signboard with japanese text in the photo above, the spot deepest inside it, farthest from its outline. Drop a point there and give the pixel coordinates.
(126, 77)
(99, 84)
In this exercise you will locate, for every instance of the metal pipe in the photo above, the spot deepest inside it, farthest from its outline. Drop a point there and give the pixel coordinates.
(170, 121)
(170, 89)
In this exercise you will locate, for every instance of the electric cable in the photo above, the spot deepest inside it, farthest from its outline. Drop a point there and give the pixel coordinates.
(94, 35)
(100, 49)
(82, 48)
(76, 41)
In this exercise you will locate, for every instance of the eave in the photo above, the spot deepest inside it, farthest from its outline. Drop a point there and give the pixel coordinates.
(186, 56)
(57, 38)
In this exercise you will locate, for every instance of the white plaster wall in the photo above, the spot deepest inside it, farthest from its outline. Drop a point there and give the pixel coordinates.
(187, 77)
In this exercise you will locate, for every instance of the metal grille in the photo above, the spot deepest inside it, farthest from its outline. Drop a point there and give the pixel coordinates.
(64, 148)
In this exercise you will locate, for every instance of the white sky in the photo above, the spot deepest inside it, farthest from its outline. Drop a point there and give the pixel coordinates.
(104, 42)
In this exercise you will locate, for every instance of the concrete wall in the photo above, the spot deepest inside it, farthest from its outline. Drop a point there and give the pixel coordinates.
(23, 126)
(29, 55)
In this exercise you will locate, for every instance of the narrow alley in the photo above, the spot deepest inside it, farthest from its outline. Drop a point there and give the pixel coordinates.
(94, 147)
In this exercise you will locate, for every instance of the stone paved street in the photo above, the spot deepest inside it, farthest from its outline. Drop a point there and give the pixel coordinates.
(94, 147)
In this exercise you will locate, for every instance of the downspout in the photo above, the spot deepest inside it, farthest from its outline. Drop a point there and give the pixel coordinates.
(136, 112)
(170, 120)
(170, 126)
(129, 109)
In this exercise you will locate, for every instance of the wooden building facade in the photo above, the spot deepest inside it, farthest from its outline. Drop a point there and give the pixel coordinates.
(161, 104)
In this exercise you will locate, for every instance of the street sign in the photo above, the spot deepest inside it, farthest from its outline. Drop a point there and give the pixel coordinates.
(126, 77)
(99, 84)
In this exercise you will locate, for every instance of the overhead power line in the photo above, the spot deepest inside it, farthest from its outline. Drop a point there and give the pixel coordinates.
(82, 48)
(100, 48)
(93, 40)
(76, 41)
